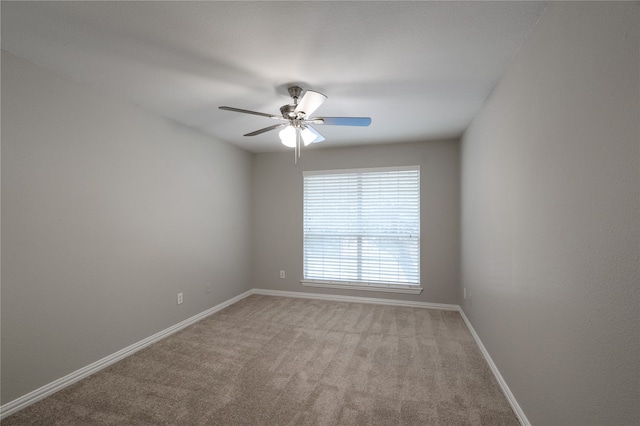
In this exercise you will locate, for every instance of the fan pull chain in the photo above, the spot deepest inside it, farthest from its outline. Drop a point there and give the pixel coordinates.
(296, 151)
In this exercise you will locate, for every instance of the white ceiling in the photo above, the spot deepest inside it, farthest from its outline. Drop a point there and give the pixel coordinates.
(420, 70)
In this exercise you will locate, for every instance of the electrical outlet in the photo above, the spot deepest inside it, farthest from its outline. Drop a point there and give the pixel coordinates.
(281, 274)
(209, 288)
(179, 298)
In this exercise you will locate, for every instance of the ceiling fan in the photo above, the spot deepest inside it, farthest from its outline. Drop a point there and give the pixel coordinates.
(297, 120)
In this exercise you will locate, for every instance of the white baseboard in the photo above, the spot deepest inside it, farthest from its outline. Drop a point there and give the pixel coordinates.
(357, 299)
(55, 386)
(503, 385)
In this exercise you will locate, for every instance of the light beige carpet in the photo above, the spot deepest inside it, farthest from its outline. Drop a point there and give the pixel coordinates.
(286, 361)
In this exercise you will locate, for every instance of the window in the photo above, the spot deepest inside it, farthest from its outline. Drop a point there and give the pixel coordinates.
(362, 229)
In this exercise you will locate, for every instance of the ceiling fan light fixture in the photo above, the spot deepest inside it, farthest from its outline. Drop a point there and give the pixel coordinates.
(288, 136)
(308, 136)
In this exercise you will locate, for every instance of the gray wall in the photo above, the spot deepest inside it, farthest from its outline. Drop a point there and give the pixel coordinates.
(550, 218)
(107, 213)
(277, 214)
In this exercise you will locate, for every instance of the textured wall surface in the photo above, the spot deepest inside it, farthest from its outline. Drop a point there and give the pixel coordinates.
(550, 218)
(277, 213)
(107, 213)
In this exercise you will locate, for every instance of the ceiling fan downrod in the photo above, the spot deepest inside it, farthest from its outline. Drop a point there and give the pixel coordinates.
(289, 111)
(295, 92)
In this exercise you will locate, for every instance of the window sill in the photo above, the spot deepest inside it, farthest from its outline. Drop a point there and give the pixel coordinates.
(388, 288)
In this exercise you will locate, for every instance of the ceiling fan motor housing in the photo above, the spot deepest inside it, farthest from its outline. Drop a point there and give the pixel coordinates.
(289, 111)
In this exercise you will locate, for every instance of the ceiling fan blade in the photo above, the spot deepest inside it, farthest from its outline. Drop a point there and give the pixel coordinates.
(246, 111)
(310, 102)
(342, 121)
(319, 137)
(266, 129)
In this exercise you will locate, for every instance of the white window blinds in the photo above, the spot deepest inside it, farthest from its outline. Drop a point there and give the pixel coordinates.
(362, 226)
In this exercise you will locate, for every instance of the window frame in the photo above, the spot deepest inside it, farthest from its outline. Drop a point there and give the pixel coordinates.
(363, 285)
